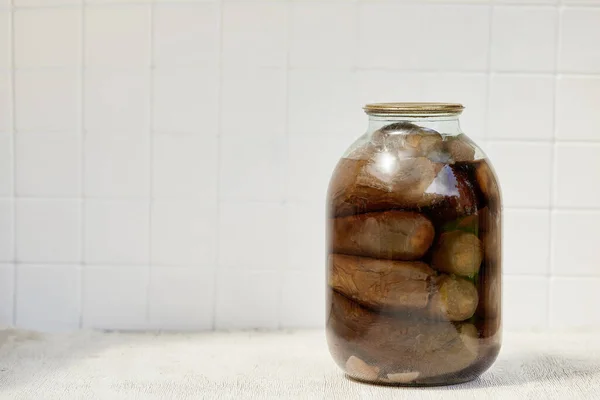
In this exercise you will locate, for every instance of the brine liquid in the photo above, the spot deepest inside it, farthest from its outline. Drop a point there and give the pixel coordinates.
(414, 269)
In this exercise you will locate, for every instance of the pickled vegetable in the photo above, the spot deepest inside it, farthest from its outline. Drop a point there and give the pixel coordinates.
(379, 283)
(459, 253)
(396, 344)
(395, 235)
(359, 369)
(454, 299)
(460, 149)
(385, 182)
(402, 285)
(408, 139)
(488, 184)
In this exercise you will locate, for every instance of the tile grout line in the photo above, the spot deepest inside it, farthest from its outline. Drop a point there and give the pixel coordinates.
(14, 158)
(150, 122)
(286, 140)
(356, 46)
(524, 4)
(553, 165)
(83, 168)
(488, 96)
(400, 70)
(218, 169)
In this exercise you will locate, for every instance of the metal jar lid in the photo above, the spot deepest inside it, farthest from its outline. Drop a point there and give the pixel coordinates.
(422, 109)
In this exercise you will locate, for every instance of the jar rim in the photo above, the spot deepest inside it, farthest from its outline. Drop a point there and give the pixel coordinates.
(413, 108)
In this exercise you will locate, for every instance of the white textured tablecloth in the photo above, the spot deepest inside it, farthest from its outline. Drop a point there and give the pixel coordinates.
(257, 365)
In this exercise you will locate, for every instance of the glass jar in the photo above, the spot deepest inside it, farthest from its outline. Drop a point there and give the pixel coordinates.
(414, 252)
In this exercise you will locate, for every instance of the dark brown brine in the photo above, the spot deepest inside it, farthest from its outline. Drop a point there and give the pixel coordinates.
(414, 258)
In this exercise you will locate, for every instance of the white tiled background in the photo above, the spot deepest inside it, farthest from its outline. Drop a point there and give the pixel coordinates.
(163, 164)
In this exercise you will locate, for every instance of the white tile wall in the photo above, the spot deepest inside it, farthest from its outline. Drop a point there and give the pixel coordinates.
(526, 242)
(246, 168)
(125, 44)
(47, 38)
(314, 110)
(576, 114)
(48, 230)
(5, 100)
(302, 299)
(116, 101)
(525, 303)
(48, 165)
(48, 296)
(254, 33)
(257, 97)
(196, 45)
(7, 279)
(524, 38)
(163, 163)
(521, 107)
(313, 42)
(186, 100)
(577, 166)
(185, 166)
(7, 229)
(46, 100)
(303, 217)
(5, 39)
(183, 233)
(117, 231)
(115, 297)
(247, 298)
(574, 303)
(252, 235)
(450, 37)
(181, 298)
(573, 236)
(579, 40)
(117, 165)
(6, 165)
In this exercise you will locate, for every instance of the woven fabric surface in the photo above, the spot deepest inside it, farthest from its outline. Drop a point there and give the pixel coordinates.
(267, 365)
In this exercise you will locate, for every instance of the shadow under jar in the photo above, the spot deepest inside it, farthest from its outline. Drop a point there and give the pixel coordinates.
(414, 252)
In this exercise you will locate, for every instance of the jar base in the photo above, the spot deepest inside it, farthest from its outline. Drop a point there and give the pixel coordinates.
(425, 383)
(468, 374)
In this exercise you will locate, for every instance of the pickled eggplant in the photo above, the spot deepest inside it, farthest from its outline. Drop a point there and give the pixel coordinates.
(391, 286)
(383, 183)
(377, 283)
(410, 139)
(396, 345)
(394, 235)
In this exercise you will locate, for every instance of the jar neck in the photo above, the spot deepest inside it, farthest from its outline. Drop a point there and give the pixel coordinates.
(446, 124)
